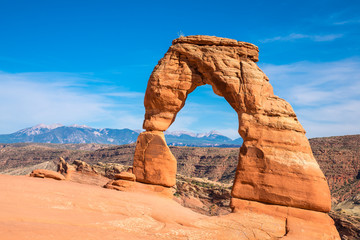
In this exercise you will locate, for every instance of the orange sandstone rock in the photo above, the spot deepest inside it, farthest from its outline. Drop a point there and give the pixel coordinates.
(131, 186)
(62, 166)
(43, 173)
(153, 161)
(276, 164)
(300, 224)
(81, 172)
(125, 176)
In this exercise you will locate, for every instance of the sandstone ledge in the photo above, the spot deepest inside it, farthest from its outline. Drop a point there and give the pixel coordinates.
(212, 40)
(243, 48)
(300, 223)
(131, 186)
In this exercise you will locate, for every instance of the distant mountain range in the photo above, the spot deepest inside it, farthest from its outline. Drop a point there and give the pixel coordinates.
(57, 133)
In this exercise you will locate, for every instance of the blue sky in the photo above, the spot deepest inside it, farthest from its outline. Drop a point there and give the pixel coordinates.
(88, 62)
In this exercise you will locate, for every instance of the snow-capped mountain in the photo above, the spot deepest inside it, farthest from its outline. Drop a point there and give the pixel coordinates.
(213, 139)
(38, 129)
(57, 133)
(196, 135)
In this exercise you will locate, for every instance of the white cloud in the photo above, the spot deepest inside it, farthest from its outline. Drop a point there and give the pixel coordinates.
(125, 94)
(325, 96)
(31, 98)
(296, 36)
(349, 21)
(56, 97)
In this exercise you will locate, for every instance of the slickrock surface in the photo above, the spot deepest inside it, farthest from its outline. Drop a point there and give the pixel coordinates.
(276, 164)
(34, 208)
(300, 223)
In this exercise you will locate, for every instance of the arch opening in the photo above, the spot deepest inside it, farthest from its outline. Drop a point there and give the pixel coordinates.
(205, 112)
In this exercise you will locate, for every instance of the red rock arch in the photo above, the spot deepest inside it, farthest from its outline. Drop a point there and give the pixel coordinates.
(276, 164)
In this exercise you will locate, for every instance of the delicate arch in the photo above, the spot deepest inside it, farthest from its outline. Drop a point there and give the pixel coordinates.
(276, 164)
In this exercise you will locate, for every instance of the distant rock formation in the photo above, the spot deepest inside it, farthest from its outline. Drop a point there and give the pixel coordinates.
(276, 165)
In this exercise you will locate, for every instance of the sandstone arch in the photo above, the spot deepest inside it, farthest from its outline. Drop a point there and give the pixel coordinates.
(276, 164)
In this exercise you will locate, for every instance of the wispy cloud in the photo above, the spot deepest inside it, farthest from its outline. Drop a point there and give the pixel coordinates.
(325, 96)
(297, 36)
(31, 98)
(125, 94)
(67, 98)
(349, 21)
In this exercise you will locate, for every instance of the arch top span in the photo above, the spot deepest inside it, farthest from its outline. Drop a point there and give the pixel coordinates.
(276, 164)
(225, 64)
(245, 48)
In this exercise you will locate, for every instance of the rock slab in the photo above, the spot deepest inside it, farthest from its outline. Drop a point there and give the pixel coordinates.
(125, 176)
(43, 173)
(300, 224)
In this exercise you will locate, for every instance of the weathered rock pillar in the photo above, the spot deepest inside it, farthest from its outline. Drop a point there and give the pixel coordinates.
(153, 161)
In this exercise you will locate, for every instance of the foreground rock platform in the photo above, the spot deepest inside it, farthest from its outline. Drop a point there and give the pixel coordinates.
(34, 208)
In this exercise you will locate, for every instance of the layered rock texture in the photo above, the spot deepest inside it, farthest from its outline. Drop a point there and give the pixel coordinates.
(276, 164)
(153, 161)
(43, 173)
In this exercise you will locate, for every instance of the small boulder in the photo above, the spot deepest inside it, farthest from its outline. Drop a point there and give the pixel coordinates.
(125, 176)
(43, 173)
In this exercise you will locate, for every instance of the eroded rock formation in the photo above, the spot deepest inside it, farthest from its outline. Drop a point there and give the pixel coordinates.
(154, 162)
(276, 164)
(43, 173)
(80, 172)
